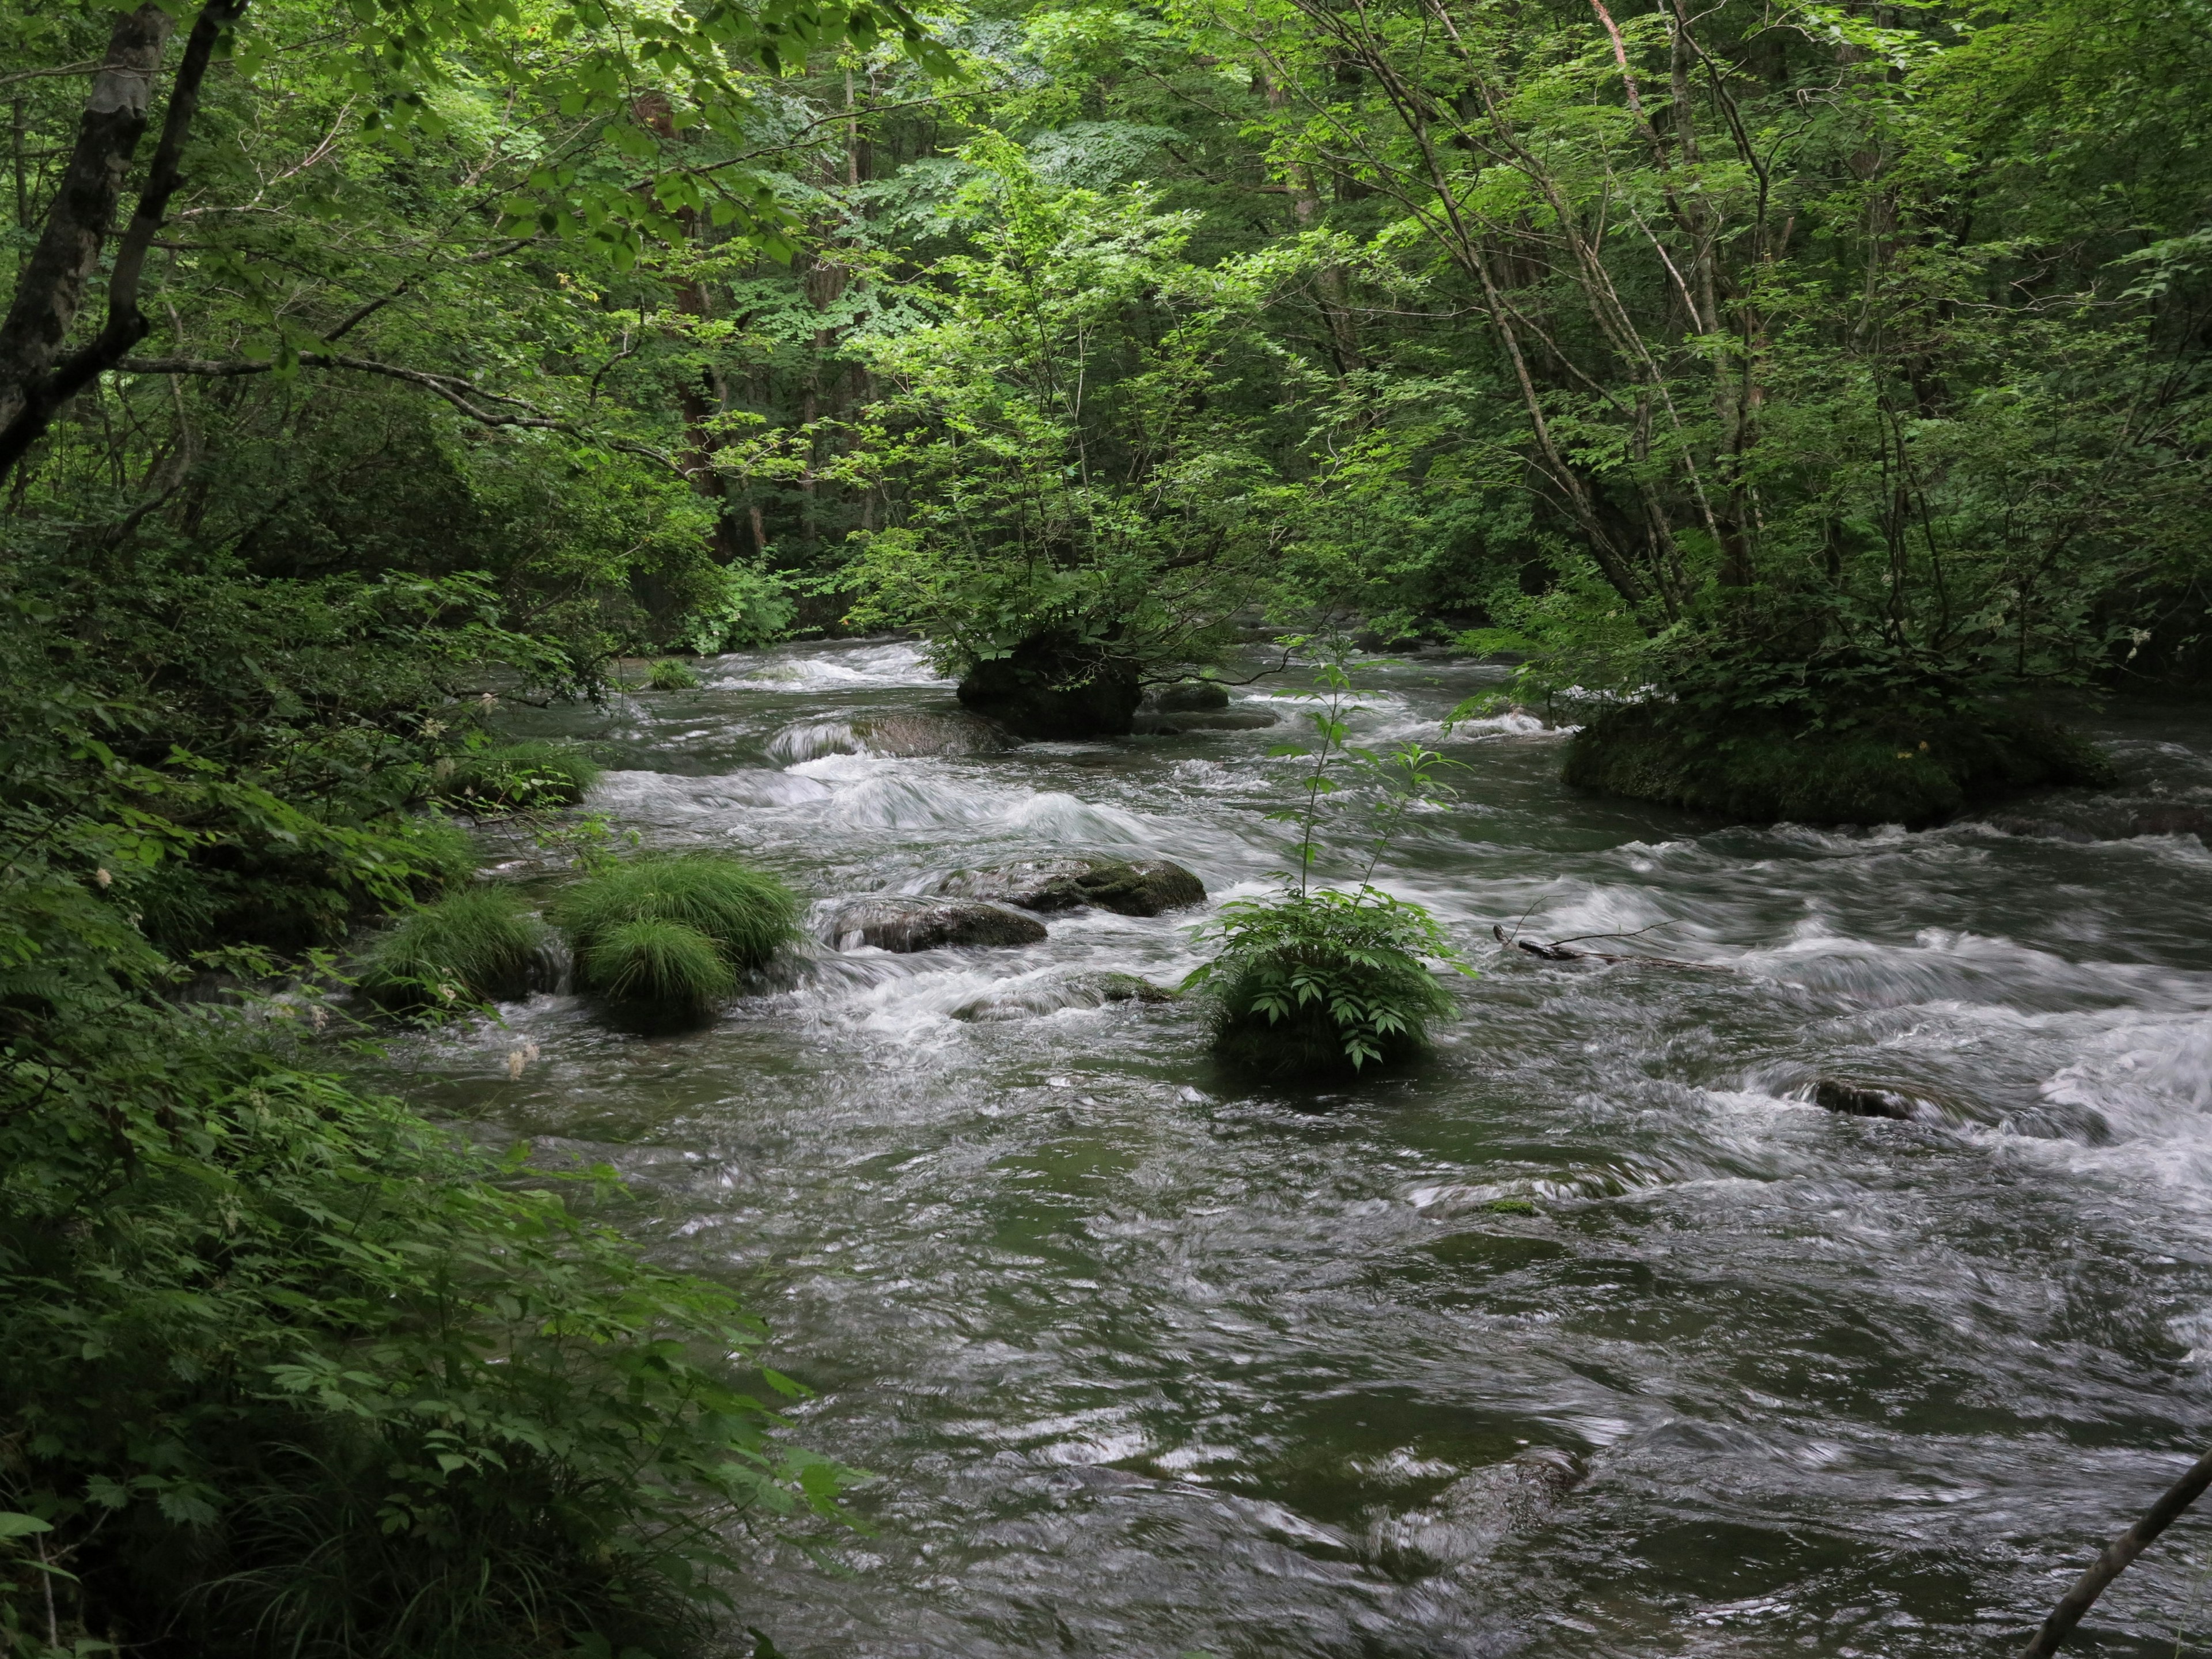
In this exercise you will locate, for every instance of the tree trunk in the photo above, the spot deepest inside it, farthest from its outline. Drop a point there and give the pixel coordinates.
(34, 386)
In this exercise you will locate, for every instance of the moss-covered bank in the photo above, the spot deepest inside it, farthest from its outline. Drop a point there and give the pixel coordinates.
(1910, 764)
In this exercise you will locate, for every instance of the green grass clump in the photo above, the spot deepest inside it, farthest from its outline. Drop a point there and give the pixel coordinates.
(475, 947)
(520, 777)
(638, 928)
(1322, 984)
(670, 675)
(662, 964)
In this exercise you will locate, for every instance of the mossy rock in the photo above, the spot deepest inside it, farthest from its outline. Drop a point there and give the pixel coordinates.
(1191, 696)
(1129, 887)
(483, 945)
(1915, 767)
(670, 675)
(903, 922)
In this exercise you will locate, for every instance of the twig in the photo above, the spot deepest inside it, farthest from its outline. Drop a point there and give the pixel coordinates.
(1561, 953)
(2115, 1557)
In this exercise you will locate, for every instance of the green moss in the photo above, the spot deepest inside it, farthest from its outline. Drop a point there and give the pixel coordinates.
(475, 946)
(520, 776)
(670, 675)
(742, 916)
(1908, 765)
(1512, 1206)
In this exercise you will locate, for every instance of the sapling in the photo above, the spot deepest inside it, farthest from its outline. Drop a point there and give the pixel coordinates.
(1319, 980)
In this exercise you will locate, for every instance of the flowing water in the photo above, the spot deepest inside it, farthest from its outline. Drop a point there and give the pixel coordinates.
(1148, 1361)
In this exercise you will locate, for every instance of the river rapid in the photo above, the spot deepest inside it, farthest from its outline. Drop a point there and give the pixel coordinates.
(1147, 1361)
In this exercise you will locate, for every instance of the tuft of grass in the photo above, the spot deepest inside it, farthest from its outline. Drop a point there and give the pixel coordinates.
(651, 963)
(474, 946)
(670, 675)
(636, 927)
(520, 777)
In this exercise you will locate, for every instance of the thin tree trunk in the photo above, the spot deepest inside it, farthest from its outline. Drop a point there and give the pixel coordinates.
(2115, 1557)
(33, 386)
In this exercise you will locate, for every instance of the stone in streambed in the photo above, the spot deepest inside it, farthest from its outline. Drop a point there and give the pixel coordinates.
(1129, 887)
(1029, 1001)
(1056, 686)
(898, 922)
(1190, 697)
(1870, 1100)
(890, 737)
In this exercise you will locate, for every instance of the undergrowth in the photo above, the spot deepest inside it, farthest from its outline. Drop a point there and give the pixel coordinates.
(475, 947)
(638, 928)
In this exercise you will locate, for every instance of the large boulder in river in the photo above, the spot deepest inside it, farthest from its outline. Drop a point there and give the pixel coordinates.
(1051, 688)
(899, 922)
(1190, 696)
(1913, 764)
(1130, 887)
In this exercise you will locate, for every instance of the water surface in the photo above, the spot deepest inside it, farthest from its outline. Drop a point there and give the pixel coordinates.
(1149, 1362)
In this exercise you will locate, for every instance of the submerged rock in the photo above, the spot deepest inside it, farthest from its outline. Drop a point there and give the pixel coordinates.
(1871, 1100)
(1164, 724)
(1138, 887)
(895, 921)
(892, 737)
(1911, 766)
(1049, 996)
(1467, 1519)
(1054, 687)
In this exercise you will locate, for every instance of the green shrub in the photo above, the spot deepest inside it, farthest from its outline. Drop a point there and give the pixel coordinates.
(283, 1369)
(475, 946)
(518, 777)
(742, 916)
(670, 675)
(1322, 983)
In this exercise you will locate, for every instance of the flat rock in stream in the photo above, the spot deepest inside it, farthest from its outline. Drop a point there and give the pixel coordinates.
(897, 921)
(1162, 723)
(1050, 996)
(1129, 887)
(890, 737)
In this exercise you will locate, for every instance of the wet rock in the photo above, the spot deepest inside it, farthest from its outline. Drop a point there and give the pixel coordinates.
(897, 922)
(1139, 887)
(1190, 697)
(1898, 764)
(1468, 1519)
(892, 737)
(1128, 987)
(1055, 687)
(2178, 819)
(1029, 1001)
(1151, 725)
(1869, 1100)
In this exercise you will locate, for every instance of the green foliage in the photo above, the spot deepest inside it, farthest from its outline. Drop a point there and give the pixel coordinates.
(475, 947)
(637, 927)
(1063, 437)
(520, 777)
(738, 608)
(658, 963)
(1317, 982)
(670, 675)
(284, 1367)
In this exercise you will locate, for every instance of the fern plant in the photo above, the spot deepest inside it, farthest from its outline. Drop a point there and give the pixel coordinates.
(1318, 980)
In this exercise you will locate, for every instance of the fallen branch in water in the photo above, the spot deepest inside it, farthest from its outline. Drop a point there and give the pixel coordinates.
(2115, 1557)
(1564, 952)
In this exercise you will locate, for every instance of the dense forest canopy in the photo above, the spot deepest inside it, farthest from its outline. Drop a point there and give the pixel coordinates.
(367, 363)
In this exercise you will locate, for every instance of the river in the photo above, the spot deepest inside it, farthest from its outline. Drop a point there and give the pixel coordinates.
(1147, 1361)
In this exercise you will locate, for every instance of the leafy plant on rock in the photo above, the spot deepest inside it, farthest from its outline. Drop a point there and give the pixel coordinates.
(1319, 980)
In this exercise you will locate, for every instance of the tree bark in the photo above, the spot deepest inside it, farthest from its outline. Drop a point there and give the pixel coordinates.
(34, 386)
